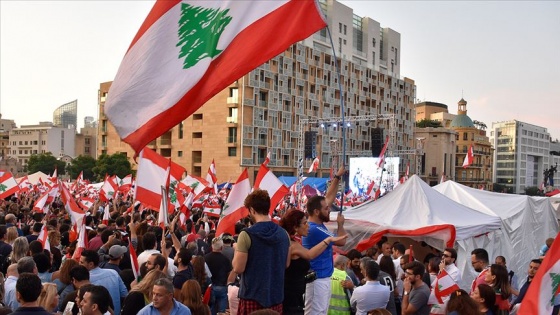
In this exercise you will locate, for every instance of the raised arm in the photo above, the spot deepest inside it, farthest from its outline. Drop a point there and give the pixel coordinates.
(333, 188)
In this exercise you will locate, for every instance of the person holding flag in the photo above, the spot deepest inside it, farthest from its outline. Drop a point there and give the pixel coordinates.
(318, 292)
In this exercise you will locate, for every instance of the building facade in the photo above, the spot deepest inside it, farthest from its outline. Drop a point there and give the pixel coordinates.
(42, 138)
(439, 147)
(86, 141)
(523, 152)
(479, 173)
(264, 110)
(66, 115)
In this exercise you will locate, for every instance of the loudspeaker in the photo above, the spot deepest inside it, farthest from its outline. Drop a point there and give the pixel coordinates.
(310, 144)
(376, 141)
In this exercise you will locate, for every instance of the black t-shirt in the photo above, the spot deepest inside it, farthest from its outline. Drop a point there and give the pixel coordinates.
(219, 266)
(133, 303)
(31, 311)
(182, 277)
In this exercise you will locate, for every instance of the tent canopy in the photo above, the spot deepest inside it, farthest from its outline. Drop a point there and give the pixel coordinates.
(526, 223)
(415, 210)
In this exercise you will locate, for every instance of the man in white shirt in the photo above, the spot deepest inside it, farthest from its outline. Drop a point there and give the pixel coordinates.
(372, 294)
(149, 241)
(447, 264)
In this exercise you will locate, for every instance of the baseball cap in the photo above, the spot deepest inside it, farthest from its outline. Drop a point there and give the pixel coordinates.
(116, 251)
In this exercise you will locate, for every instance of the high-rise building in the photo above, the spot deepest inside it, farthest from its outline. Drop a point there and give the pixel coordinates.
(522, 152)
(66, 115)
(263, 111)
(89, 121)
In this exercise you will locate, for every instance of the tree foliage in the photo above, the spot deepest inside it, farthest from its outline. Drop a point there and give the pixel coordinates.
(82, 163)
(424, 123)
(115, 164)
(46, 163)
(533, 191)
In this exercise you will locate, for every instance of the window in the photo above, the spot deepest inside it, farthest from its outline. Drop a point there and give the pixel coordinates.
(340, 27)
(465, 136)
(232, 151)
(181, 130)
(179, 153)
(373, 42)
(344, 29)
(197, 135)
(197, 117)
(232, 135)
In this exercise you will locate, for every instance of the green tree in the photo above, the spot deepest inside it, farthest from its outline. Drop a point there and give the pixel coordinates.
(115, 164)
(82, 163)
(46, 163)
(424, 123)
(532, 191)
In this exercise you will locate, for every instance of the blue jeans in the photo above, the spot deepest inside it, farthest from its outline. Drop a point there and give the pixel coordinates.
(220, 299)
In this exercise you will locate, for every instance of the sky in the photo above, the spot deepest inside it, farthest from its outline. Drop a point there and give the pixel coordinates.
(502, 57)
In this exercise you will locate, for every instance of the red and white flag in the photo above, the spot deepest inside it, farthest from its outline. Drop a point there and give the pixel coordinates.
(314, 166)
(442, 289)
(234, 208)
(76, 214)
(8, 185)
(267, 160)
(197, 184)
(125, 184)
(25, 185)
(266, 180)
(82, 241)
(134, 260)
(211, 177)
(151, 175)
(86, 203)
(545, 287)
(54, 177)
(108, 189)
(381, 160)
(106, 212)
(469, 157)
(184, 54)
(44, 238)
(41, 203)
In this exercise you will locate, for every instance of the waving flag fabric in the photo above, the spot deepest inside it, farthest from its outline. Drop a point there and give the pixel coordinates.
(8, 185)
(314, 165)
(211, 177)
(197, 184)
(186, 52)
(44, 238)
(234, 209)
(266, 180)
(151, 175)
(469, 157)
(381, 161)
(545, 287)
(76, 214)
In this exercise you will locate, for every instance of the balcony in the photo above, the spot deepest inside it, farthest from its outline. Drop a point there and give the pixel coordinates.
(232, 100)
(231, 120)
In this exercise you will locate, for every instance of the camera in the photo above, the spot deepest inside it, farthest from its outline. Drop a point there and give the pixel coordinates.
(310, 276)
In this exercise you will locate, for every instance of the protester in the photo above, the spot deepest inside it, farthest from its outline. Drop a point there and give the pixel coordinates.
(372, 294)
(341, 286)
(317, 293)
(163, 301)
(460, 303)
(416, 292)
(191, 296)
(479, 261)
(261, 256)
(497, 278)
(533, 268)
(94, 301)
(220, 266)
(485, 296)
(28, 290)
(49, 297)
(141, 294)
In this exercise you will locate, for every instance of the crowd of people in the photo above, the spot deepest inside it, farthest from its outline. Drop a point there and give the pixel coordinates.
(130, 265)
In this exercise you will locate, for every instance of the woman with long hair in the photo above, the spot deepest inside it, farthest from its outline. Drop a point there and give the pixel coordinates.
(295, 223)
(20, 248)
(49, 297)
(191, 296)
(485, 297)
(11, 235)
(497, 277)
(199, 272)
(62, 279)
(460, 303)
(141, 294)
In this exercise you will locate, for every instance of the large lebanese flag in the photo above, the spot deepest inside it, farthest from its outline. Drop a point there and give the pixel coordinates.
(76, 214)
(151, 175)
(266, 180)
(469, 157)
(211, 177)
(545, 287)
(198, 184)
(185, 52)
(8, 185)
(234, 209)
(108, 189)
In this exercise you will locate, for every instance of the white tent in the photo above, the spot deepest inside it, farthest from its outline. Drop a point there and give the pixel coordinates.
(526, 223)
(417, 211)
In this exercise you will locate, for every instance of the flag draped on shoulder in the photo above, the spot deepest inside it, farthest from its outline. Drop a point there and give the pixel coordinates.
(266, 180)
(185, 52)
(469, 157)
(545, 287)
(151, 175)
(234, 208)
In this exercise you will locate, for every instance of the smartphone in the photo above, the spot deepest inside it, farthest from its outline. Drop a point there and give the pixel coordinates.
(68, 309)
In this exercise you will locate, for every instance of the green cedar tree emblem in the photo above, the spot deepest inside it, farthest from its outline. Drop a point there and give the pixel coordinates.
(3, 187)
(555, 285)
(199, 31)
(194, 185)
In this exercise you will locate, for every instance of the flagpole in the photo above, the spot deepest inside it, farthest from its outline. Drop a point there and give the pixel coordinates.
(343, 128)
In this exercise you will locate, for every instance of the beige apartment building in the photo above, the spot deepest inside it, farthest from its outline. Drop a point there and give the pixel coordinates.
(457, 133)
(86, 141)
